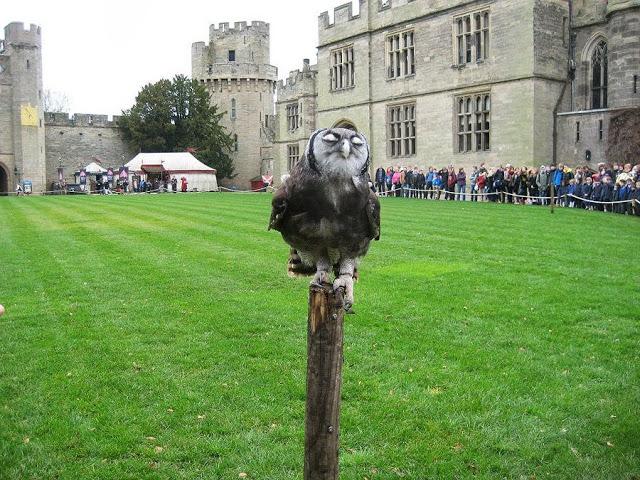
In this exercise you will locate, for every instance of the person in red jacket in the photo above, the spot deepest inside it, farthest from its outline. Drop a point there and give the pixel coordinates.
(452, 179)
(481, 184)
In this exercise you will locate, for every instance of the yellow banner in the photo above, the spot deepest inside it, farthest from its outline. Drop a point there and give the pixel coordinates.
(29, 116)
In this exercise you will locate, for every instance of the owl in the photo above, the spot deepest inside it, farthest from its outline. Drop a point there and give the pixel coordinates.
(326, 211)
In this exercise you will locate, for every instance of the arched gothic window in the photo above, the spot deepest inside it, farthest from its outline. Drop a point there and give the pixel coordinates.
(599, 76)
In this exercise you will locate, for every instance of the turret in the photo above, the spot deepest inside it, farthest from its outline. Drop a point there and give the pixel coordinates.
(22, 46)
(235, 69)
(623, 31)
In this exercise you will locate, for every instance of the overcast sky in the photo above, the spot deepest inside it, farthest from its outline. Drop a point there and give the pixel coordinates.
(101, 53)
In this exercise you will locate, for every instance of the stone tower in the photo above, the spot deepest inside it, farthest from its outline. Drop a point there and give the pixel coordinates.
(22, 152)
(592, 120)
(235, 69)
(623, 34)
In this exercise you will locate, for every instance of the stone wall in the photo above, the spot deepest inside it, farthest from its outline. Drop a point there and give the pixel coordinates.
(571, 150)
(623, 143)
(611, 135)
(551, 39)
(299, 88)
(524, 73)
(586, 12)
(78, 140)
(7, 162)
(624, 57)
(546, 96)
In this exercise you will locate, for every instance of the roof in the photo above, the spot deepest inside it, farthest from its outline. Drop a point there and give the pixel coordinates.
(93, 167)
(170, 162)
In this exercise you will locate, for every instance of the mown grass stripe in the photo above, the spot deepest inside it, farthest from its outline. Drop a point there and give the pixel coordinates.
(485, 345)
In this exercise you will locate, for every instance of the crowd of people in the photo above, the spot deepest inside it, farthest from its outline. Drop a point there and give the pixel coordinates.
(609, 188)
(162, 184)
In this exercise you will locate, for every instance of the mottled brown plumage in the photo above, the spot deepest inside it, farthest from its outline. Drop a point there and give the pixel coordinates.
(325, 210)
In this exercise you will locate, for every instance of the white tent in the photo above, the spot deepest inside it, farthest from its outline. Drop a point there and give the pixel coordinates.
(94, 168)
(181, 164)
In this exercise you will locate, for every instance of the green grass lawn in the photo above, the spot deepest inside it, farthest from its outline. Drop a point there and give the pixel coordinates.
(158, 336)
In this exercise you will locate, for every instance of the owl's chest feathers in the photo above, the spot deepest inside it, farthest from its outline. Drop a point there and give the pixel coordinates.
(339, 196)
(335, 198)
(330, 209)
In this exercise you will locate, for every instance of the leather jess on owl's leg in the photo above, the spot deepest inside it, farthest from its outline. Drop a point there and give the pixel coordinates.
(322, 271)
(345, 280)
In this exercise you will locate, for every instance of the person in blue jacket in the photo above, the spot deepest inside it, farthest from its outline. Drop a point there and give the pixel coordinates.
(437, 185)
(556, 179)
(429, 182)
(624, 195)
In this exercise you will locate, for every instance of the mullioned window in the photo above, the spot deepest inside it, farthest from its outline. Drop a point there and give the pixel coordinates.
(473, 114)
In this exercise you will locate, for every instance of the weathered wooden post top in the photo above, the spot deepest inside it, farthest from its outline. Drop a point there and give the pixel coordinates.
(324, 382)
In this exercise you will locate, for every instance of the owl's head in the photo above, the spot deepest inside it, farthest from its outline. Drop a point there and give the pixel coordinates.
(338, 152)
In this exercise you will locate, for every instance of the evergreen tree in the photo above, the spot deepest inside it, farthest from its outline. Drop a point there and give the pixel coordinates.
(175, 116)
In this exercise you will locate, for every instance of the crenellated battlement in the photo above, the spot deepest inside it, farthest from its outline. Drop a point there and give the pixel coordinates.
(297, 76)
(242, 43)
(63, 119)
(17, 33)
(345, 22)
(224, 28)
(294, 77)
(341, 14)
(374, 14)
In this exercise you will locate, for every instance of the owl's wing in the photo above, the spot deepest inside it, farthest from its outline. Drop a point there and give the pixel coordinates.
(279, 205)
(373, 214)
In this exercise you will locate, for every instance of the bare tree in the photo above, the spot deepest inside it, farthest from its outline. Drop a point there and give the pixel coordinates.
(54, 101)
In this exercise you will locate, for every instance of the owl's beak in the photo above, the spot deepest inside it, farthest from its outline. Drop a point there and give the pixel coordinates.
(345, 148)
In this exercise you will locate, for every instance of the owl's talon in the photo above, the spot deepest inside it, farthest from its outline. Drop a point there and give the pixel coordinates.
(345, 281)
(321, 277)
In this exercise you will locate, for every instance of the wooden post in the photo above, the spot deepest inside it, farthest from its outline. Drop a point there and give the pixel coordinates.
(324, 380)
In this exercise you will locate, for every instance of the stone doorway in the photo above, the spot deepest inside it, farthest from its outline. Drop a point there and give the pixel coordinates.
(4, 181)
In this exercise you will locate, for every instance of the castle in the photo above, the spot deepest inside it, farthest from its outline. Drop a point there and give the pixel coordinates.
(526, 82)
(436, 82)
(34, 144)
